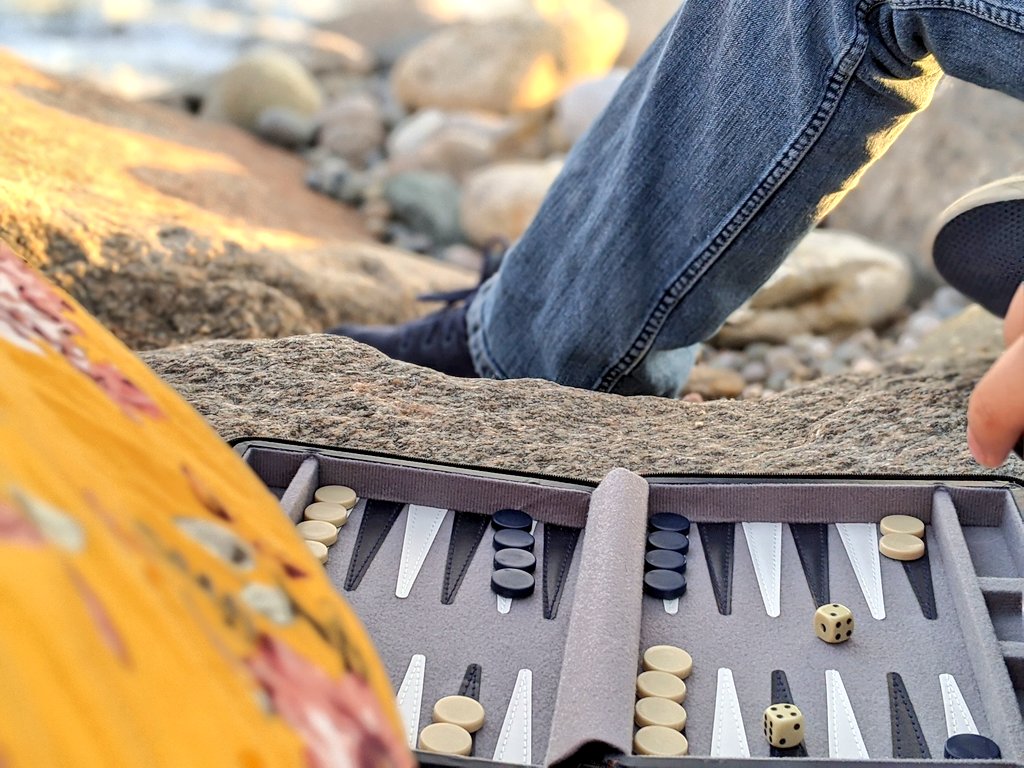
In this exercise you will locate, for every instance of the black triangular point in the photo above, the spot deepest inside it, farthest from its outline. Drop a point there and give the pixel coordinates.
(811, 541)
(471, 682)
(467, 532)
(378, 518)
(919, 573)
(782, 695)
(719, 540)
(907, 737)
(559, 546)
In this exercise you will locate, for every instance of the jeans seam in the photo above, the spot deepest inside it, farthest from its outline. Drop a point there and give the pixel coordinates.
(479, 349)
(798, 148)
(982, 9)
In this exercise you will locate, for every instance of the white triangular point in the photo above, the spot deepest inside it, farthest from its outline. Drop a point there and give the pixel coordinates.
(728, 737)
(764, 540)
(671, 606)
(515, 743)
(958, 716)
(861, 543)
(410, 697)
(421, 528)
(844, 739)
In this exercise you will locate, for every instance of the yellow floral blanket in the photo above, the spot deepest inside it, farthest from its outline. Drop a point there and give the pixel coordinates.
(156, 607)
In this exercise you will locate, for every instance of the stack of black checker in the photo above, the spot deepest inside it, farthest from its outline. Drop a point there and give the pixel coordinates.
(514, 561)
(668, 541)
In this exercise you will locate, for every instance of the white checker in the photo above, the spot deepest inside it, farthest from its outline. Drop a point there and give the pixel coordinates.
(844, 739)
(410, 697)
(861, 543)
(728, 737)
(421, 528)
(671, 606)
(764, 540)
(958, 716)
(515, 743)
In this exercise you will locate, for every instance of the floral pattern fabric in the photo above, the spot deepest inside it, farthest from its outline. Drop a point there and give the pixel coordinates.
(158, 608)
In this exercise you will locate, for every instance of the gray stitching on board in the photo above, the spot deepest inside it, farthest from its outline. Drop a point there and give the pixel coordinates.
(858, 568)
(425, 543)
(516, 701)
(450, 595)
(570, 547)
(778, 173)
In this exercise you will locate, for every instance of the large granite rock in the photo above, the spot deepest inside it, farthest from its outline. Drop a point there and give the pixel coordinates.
(331, 391)
(966, 137)
(169, 229)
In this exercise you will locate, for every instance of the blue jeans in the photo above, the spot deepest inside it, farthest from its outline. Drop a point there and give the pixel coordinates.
(741, 127)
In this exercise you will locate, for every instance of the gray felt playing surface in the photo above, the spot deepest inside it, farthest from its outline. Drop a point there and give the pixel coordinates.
(584, 662)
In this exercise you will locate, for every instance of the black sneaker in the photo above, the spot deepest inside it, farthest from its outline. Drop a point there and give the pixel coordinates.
(978, 245)
(439, 340)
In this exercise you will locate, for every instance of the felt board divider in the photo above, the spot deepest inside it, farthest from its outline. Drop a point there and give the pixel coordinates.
(810, 502)
(596, 691)
(299, 493)
(1002, 710)
(560, 504)
(1004, 602)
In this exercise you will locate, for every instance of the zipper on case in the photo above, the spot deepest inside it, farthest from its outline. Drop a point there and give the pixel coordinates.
(692, 477)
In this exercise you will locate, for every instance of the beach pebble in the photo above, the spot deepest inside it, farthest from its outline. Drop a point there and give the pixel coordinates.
(501, 200)
(352, 128)
(428, 203)
(259, 80)
(285, 127)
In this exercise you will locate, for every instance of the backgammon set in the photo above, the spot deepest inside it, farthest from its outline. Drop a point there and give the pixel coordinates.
(676, 620)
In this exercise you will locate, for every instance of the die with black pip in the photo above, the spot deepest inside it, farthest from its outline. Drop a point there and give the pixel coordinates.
(668, 542)
(514, 561)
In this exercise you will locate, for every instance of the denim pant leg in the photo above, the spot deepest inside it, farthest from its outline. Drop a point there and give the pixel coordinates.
(740, 128)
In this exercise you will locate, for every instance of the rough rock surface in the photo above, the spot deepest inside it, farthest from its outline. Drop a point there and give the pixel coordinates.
(327, 390)
(169, 229)
(511, 63)
(966, 137)
(832, 281)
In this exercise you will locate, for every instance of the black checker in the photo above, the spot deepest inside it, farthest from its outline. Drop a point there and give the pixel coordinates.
(511, 582)
(971, 746)
(669, 521)
(664, 560)
(514, 519)
(513, 538)
(664, 585)
(670, 540)
(519, 559)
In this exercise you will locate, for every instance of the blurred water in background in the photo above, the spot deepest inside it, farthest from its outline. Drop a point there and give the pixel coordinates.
(140, 47)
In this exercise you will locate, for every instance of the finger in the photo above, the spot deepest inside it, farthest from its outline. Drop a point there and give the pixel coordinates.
(995, 416)
(1013, 325)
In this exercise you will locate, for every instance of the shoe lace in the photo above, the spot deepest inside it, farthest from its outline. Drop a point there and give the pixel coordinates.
(450, 319)
(493, 254)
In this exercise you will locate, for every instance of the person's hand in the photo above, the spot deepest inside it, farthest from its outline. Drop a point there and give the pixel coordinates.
(995, 416)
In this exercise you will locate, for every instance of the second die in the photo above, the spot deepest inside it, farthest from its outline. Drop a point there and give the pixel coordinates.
(784, 725)
(833, 623)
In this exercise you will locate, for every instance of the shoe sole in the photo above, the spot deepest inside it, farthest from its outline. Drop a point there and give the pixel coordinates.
(977, 243)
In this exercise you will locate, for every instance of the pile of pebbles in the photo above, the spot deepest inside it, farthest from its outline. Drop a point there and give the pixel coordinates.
(762, 370)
